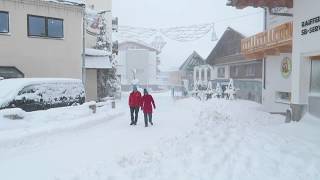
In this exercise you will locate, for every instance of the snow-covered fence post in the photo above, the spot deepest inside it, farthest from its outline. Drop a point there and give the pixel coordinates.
(92, 106)
(218, 90)
(13, 114)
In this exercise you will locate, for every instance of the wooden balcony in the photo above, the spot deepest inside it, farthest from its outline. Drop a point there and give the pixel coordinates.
(272, 42)
(260, 3)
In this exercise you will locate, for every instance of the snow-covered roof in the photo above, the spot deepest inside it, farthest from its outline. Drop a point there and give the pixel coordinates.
(140, 44)
(96, 52)
(70, 2)
(102, 62)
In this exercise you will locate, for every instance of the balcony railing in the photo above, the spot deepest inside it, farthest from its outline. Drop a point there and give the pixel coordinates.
(273, 41)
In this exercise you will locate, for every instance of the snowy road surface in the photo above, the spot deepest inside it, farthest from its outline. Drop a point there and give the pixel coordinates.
(191, 140)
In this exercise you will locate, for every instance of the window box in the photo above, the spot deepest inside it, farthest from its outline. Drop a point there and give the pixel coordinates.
(45, 27)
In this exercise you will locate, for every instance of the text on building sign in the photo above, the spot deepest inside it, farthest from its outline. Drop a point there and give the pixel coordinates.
(309, 26)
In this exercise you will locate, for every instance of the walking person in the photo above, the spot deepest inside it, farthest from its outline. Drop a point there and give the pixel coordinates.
(134, 104)
(147, 104)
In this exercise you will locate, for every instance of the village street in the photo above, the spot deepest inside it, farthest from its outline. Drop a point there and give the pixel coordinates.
(216, 139)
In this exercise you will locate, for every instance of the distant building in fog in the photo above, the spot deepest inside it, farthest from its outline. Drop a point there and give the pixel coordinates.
(228, 63)
(139, 60)
(187, 68)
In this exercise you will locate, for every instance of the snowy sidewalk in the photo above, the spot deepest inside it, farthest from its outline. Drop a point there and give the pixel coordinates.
(191, 140)
(53, 121)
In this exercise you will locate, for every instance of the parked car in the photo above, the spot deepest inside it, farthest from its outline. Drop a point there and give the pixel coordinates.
(32, 94)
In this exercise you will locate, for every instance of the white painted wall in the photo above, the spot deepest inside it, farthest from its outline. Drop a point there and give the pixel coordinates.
(91, 85)
(275, 82)
(304, 46)
(41, 57)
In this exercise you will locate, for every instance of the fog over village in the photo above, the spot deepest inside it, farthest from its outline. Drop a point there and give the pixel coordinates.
(159, 89)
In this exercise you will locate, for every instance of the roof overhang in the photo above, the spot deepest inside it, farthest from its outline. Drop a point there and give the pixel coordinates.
(98, 62)
(260, 3)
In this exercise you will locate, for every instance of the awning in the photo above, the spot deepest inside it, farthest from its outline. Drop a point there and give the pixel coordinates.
(100, 62)
(96, 52)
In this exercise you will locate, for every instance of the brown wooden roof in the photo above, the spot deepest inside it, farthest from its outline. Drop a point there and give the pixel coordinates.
(228, 48)
(260, 3)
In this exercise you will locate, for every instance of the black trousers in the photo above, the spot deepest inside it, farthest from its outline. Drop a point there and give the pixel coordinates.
(134, 114)
(148, 117)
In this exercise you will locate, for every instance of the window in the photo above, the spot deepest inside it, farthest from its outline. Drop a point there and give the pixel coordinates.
(202, 75)
(221, 72)
(39, 26)
(4, 22)
(250, 70)
(208, 74)
(55, 28)
(36, 26)
(235, 71)
(315, 77)
(283, 97)
(197, 75)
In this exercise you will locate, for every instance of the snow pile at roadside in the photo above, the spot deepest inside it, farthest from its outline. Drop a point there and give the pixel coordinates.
(231, 140)
(56, 120)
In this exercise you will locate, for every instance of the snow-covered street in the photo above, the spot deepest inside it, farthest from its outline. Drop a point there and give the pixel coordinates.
(216, 139)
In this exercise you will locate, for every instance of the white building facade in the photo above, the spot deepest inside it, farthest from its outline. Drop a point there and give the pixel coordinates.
(301, 37)
(276, 91)
(306, 58)
(137, 61)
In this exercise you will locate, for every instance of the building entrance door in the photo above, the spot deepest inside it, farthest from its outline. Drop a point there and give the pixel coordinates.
(314, 97)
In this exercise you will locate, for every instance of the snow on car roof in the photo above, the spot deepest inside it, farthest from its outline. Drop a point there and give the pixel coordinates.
(11, 87)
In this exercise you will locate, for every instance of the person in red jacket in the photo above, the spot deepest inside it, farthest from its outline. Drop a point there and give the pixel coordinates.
(134, 104)
(147, 103)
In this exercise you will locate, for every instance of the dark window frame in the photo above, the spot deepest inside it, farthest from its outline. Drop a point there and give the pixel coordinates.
(46, 19)
(8, 24)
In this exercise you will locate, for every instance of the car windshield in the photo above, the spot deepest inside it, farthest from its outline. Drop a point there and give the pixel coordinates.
(7, 88)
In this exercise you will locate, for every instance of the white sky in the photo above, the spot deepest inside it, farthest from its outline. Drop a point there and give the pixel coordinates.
(172, 13)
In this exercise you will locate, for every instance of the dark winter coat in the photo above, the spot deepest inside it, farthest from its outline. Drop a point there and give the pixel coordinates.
(135, 99)
(147, 103)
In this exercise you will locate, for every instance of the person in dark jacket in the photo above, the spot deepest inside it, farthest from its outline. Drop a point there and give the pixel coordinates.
(147, 104)
(134, 104)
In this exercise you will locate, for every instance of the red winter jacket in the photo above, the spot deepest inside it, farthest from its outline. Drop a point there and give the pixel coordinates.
(147, 102)
(135, 99)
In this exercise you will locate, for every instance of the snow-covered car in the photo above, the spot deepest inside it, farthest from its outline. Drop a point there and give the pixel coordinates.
(32, 94)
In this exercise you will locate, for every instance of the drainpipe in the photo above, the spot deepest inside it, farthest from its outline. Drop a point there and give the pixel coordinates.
(264, 59)
(84, 45)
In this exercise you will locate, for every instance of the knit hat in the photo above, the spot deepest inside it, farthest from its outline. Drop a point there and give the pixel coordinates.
(135, 88)
(145, 91)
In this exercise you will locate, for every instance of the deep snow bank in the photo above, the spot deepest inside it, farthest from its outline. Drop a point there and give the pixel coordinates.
(231, 140)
